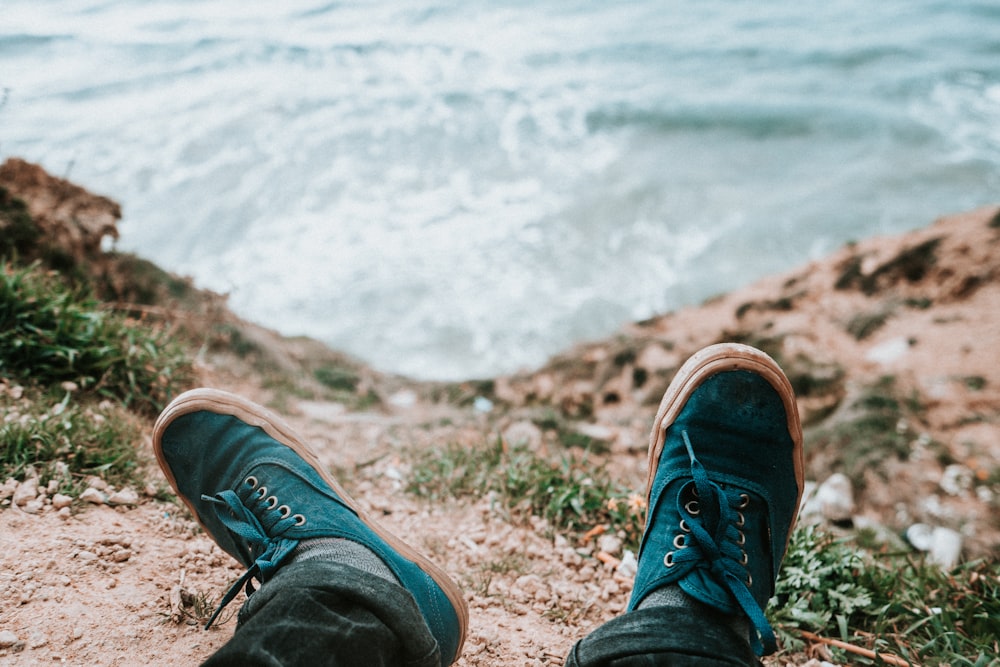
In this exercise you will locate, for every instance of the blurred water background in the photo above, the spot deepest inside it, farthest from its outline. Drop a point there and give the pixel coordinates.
(457, 188)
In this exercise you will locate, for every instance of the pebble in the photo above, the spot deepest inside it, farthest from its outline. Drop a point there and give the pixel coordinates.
(835, 497)
(124, 497)
(34, 506)
(60, 501)
(523, 433)
(611, 544)
(628, 565)
(7, 639)
(26, 491)
(8, 488)
(956, 479)
(943, 545)
(92, 495)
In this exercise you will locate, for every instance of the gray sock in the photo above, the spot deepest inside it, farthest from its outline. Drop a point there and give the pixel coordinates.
(673, 596)
(343, 551)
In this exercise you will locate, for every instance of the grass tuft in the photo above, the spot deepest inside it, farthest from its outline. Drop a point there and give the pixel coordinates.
(888, 603)
(66, 440)
(572, 493)
(51, 334)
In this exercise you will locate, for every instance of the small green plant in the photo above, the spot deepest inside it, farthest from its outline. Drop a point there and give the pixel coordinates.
(573, 493)
(65, 440)
(51, 333)
(18, 231)
(876, 426)
(888, 603)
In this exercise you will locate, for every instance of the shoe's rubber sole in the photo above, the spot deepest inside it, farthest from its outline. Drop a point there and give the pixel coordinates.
(222, 402)
(704, 364)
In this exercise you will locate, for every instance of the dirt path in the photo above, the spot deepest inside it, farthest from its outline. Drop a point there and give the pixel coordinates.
(102, 586)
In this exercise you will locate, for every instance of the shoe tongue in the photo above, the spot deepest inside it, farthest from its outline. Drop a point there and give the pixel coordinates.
(703, 587)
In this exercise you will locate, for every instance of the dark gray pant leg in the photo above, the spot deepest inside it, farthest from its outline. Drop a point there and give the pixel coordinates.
(322, 613)
(662, 637)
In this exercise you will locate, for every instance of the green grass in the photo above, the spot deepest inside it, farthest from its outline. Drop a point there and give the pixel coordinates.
(891, 603)
(51, 333)
(65, 440)
(879, 424)
(76, 382)
(572, 493)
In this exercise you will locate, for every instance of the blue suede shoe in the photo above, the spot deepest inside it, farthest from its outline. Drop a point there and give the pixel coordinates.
(258, 490)
(725, 480)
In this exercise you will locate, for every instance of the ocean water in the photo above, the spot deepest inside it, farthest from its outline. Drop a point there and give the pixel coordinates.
(456, 188)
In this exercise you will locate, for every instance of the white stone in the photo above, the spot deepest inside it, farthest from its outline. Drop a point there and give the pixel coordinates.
(92, 495)
(523, 433)
(628, 565)
(404, 398)
(611, 544)
(7, 639)
(956, 479)
(8, 488)
(943, 545)
(888, 352)
(835, 498)
(26, 491)
(124, 497)
(60, 501)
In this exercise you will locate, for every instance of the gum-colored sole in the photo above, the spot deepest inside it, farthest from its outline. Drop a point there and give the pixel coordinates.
(704, 364)
(222, 402)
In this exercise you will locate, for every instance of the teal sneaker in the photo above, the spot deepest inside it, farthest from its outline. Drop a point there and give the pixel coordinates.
(725, 480)
(258, 490)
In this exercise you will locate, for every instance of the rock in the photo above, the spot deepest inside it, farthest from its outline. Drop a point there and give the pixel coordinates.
(8, 488)
(611, 544)
(523, 433)
(124, 497)
(74, 220)
(7, 639)
(26, 491)
(943, 545)
(403, 399)
(888, 352)
(92, 495)
(60, 501)
(835, 498)
(628, 565)
(34, 506)
(956, 479)
(95, 482)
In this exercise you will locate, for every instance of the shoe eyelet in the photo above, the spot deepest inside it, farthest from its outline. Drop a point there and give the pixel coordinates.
(692, 507)
(251, 481)
(744, 501)
(271, 502)
(694, 492)
(742, 539)
(749, 579)
(284, 511)
(299, 520)
(260, 492)
(740, 520)
(668, 560)
(744, 560)
(680, 542)
(684, 526)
